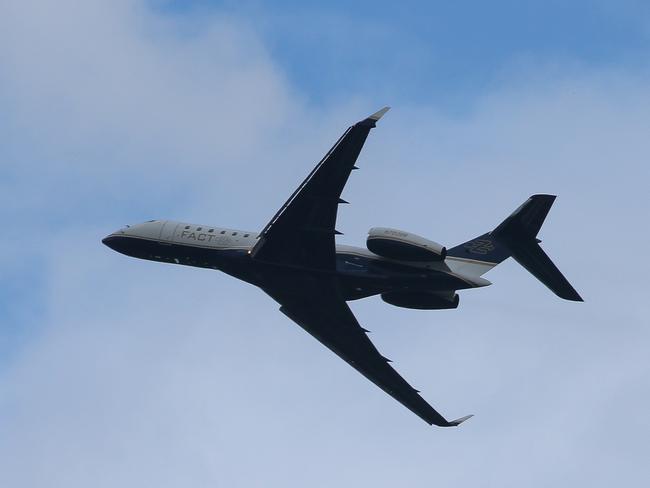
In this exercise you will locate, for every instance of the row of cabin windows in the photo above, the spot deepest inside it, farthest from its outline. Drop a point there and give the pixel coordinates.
(198, 229)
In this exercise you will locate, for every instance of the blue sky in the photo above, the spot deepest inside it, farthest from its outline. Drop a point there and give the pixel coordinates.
(442, 53)
(115, 371)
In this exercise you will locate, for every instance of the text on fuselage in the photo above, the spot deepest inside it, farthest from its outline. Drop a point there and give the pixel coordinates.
(201, 236)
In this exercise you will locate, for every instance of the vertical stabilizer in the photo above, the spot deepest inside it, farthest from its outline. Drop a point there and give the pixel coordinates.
(516, 236)
(519, 234)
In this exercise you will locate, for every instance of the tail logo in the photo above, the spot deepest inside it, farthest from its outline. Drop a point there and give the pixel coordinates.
(479, 246)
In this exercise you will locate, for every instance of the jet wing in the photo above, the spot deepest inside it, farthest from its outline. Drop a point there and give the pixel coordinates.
(301, 234)
(319, 310)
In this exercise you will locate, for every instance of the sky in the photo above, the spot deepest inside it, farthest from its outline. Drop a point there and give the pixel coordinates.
(120, 372)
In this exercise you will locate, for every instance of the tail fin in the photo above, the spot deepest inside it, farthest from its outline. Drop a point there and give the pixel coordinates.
(516, 236)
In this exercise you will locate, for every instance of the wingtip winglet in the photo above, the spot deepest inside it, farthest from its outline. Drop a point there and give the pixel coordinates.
(457, 422)
(573, 297)
(379, 114)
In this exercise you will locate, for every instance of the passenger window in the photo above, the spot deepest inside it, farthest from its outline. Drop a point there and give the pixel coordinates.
(234, 233)
(199, 228)
(187, 226)
(223, 231)
(246, 235)
(211, 230)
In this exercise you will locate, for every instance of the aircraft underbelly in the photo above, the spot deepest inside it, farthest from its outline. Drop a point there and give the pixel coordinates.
(358, 284)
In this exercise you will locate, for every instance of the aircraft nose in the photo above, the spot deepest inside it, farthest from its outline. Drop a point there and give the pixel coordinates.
(129, 237)
(114, 240)
(110, 241)
(118, 242)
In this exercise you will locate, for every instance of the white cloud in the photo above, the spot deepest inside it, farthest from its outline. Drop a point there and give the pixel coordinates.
(143, 374)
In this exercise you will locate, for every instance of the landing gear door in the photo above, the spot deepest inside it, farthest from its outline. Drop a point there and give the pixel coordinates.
(167, 232)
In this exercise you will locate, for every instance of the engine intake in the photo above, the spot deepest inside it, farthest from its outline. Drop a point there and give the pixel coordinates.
(421, 300)
(403, 246)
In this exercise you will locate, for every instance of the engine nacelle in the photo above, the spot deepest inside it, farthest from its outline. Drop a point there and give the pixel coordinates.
(403, 246)
(421, 300)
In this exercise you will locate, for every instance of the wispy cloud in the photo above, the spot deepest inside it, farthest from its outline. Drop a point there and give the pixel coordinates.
(134, 373)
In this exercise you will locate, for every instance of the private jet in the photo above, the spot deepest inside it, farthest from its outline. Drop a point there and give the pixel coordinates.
(295, 259)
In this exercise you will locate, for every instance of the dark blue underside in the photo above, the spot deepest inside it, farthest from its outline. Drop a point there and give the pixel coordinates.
(357, 276)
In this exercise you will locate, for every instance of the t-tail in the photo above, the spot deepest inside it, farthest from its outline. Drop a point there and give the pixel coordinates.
(516, 236)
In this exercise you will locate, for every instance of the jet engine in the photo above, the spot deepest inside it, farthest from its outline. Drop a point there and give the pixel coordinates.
(403, 246)
(421, 300)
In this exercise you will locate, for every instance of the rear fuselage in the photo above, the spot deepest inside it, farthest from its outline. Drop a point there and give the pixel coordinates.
(359, 273)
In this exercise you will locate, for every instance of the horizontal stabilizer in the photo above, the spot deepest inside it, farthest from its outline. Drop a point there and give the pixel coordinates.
(526, 221)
